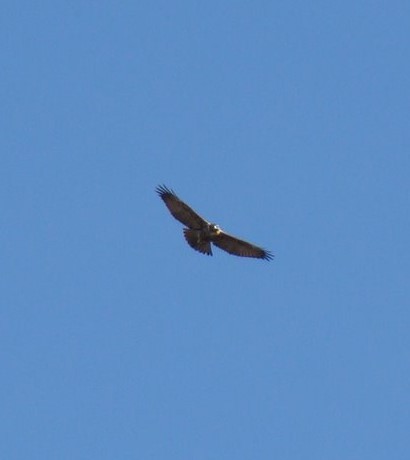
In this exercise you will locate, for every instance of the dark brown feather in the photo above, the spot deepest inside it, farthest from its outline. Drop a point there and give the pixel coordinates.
(193, 238)
(180, 210)
(239, 247)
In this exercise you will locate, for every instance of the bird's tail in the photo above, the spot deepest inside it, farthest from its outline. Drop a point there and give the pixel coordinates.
(193, 238)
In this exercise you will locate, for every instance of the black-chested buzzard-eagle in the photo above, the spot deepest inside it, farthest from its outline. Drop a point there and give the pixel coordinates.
(200, 233)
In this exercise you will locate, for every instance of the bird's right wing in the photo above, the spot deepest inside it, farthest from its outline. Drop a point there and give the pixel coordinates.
(180, 210)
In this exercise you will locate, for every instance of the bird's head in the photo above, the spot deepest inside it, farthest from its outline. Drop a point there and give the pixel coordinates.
(213, 228)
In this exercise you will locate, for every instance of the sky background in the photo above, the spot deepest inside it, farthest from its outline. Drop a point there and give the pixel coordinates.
(288, 124)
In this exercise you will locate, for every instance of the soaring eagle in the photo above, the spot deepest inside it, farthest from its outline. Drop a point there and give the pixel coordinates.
(201, 233)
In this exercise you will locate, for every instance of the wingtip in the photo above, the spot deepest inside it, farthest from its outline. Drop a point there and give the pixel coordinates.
(268, 256)
(163, 190)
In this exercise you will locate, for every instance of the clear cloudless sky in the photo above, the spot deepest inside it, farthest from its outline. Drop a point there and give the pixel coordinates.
(285, 122)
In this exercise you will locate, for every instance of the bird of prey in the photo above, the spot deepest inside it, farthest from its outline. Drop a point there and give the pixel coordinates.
(200, 233)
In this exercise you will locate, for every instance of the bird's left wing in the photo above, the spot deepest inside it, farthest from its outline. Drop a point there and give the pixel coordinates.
(180, 210)
(239, 247)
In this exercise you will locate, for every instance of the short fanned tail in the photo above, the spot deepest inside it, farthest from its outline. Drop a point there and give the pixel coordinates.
(193, 239)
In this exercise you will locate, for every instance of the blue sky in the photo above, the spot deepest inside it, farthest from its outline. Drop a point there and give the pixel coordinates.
(287, 123)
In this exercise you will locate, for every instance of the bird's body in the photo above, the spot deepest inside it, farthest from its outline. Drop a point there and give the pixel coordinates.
(200, 233)
(200, 239)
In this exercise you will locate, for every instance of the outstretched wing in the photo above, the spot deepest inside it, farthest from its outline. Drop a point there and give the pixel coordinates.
(180, 210)
(239, 247)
